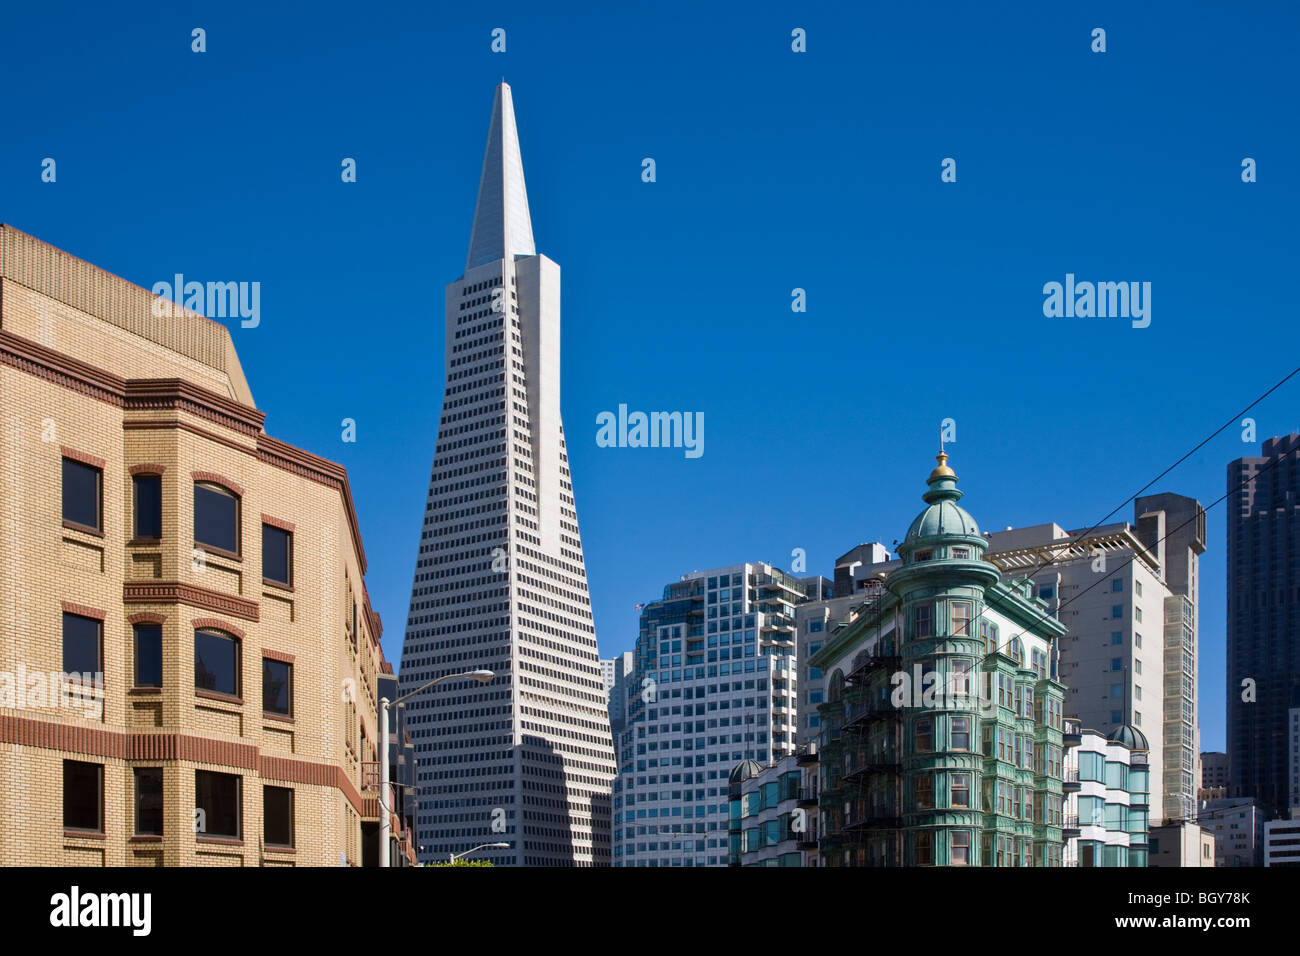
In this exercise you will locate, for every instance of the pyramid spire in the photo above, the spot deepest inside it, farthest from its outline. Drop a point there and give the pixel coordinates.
(502, 227)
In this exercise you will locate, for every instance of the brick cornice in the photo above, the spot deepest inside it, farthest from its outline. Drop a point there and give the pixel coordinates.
(231, 755)
(60, 369)
(173, 592)
(317, 469)
(178, 394)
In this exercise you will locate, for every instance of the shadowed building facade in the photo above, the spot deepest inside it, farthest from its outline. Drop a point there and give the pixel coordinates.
(1263, 514)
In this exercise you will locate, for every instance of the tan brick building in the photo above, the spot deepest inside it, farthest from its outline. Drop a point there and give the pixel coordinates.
(152, 532)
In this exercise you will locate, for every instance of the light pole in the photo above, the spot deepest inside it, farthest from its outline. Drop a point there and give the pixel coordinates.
(453, 857)
(385, 812)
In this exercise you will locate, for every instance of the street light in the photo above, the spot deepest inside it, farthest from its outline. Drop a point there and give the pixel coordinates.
(385, 813)
(452, 858)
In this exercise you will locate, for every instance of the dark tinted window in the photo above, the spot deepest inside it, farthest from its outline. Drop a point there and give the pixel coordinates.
(217, 796)
(83, 796)
(149, 800)
(277, 816)
(216, 662)
(277, 687)
(81, 494)
(277, 555)
(148, 655)
(216, 518)
(148, 505)
(81, 644)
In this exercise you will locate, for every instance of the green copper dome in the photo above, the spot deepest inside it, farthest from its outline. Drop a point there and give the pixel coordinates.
(943, 516)
(1129, 736)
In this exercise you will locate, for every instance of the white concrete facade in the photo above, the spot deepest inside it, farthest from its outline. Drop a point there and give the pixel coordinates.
(500, 581)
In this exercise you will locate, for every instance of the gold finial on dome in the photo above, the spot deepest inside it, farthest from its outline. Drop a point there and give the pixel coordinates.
(943, 471)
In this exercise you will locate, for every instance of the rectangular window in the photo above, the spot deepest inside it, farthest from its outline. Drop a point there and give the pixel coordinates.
(277, 555)
(925, 736)
(960, 733)
(960, 847)
(961, 618)
(82, 495)
(961, 553)
(1117, 610)
(216, 518)
(82, 644)
(924, 848)
(960, 790)
(277, 816)
(216, 662)
(961, 678)
(146, 506)
(148, 655)
(924, 621)
(148, 801)
(217, 797)
(925, 792)
(83, 796)
(277, 687)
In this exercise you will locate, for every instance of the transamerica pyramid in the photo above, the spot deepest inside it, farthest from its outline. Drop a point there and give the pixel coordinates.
(500, 581)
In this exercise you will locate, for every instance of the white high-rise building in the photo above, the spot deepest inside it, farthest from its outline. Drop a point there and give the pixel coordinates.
(500, 581)
(715, 683)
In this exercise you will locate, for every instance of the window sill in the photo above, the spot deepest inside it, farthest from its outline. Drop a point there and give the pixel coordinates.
(144, 543)
(219, 840)
(82, 835)
(84, 529)
(143, 691)
(281, 718)
(218, 696)
(278, 585)
(145, 838)
(279, 849)
(218, 552)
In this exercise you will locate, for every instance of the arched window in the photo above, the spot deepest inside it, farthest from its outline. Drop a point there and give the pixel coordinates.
(216, 517)
(837, 686)
(217, 662)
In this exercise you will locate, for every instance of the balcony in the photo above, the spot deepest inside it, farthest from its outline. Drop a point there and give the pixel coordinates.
(1072, 732)
(1071, 825)
(778, 622)
(806, 757)
(807, 797)
(1070, 778)
(886, 660)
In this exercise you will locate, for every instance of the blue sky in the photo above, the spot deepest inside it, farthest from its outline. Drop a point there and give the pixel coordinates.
(775, 171)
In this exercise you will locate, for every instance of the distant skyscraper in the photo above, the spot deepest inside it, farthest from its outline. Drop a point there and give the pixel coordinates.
(1263, 513)
(1214, 770)
(615, 674)
(714, 684)
(500, 581)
